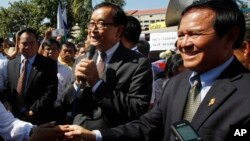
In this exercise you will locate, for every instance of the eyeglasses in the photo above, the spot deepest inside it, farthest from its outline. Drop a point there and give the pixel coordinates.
(100, 25)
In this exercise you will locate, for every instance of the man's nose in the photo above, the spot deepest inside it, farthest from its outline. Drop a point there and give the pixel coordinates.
(186, 41)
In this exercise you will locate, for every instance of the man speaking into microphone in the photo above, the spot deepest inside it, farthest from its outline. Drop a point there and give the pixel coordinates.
(114, 86)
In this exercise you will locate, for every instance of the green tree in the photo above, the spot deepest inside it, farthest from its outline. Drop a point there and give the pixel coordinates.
(20, 14)
(117, 2)
(32, 13)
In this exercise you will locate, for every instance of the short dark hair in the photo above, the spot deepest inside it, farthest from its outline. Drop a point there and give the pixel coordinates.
(228, 15)
(49, 42)
(69, 44)
(173, 63)
(119, 15)
(133, 30)
(28, 30)
(143, 47)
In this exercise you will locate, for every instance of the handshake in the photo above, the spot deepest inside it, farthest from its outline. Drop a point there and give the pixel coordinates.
(52, 132)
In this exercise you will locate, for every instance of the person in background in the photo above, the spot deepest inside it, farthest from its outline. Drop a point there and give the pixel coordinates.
(3, 66)
(143, 47)
(81, 49)
(67, 54)
(51, 49)
(208, 33)
(115, 85)
(7, 49)
(243, 53)
(31, 86)
(173, 66)
(47, 35)
(131, 34)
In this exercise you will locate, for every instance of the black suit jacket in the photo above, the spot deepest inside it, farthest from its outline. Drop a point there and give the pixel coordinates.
(41, 88)
(212, 121)
(122, 96)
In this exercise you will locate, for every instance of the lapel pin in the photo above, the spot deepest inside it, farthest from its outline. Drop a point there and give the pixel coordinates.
(211, 102)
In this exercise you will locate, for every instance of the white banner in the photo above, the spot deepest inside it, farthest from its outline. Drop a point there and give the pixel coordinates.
(163, 41)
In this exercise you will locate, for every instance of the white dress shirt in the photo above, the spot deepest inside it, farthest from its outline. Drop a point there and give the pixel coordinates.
(12, 129)
(3, 73)
(64, 79)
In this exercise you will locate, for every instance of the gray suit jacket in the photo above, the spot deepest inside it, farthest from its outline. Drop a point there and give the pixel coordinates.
(232, 97)
(123, 95)
(41, 88)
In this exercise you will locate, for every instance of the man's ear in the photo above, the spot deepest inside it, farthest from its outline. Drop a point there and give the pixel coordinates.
(246, 48)
(120, 31)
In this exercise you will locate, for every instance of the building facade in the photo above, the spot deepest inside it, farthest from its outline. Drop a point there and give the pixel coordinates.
(147, 17)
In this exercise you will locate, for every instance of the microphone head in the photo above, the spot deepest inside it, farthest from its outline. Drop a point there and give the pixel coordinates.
(91, 51)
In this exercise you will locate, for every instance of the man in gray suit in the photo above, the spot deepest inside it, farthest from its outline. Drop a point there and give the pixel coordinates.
(119, 94)
(207, 34)
(34, 103)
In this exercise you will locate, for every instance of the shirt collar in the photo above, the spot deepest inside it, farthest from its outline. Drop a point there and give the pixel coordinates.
(110, 52)
(134, 48)
(210, 76)
(31, 60)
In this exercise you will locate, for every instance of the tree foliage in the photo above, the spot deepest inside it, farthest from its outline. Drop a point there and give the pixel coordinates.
(33, 13)
(20, 14)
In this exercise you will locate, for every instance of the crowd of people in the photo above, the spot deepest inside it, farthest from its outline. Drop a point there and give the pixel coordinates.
(108, 88)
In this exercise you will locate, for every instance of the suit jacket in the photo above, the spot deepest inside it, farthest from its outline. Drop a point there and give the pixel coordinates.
(212, 121)
(41, 89)
(122, 96)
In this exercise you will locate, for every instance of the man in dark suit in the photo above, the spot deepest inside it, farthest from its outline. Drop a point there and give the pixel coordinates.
(35, 102)
(207, 34)
(123, 91)
(132, 34)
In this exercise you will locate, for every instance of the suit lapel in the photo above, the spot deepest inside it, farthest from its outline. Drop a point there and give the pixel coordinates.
(218, 93)
(114, 63)
(33, 71)
(180, 99)
(16, 67)
(216, 96)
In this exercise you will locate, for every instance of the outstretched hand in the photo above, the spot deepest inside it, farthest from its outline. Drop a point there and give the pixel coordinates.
(78, 133)
(48, 132)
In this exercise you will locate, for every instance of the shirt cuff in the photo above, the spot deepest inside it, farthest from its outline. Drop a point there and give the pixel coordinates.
(75, 86)
(98, 135)
(94, 88)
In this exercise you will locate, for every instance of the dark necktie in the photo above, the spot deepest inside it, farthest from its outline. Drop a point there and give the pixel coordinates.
(194, 99)
(101, 64)
(22, 78)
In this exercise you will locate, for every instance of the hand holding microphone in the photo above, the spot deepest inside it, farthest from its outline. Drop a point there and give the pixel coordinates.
(86, 68)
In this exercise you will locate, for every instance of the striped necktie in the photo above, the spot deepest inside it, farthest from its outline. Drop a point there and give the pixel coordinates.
(101, 64)
(22, 78)
(194, 99)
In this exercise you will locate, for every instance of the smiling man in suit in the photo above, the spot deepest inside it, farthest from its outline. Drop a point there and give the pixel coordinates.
(207, 34)
(32, 98)
(117, 91)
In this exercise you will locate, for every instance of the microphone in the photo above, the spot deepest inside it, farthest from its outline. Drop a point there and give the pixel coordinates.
(89, 55)
(91, 51)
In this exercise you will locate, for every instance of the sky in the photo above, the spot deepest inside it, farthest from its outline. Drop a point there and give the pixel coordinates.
(130, 4)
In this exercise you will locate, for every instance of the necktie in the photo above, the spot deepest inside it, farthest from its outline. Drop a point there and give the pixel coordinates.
(194, 99)
(22, 78)
(101, 64)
